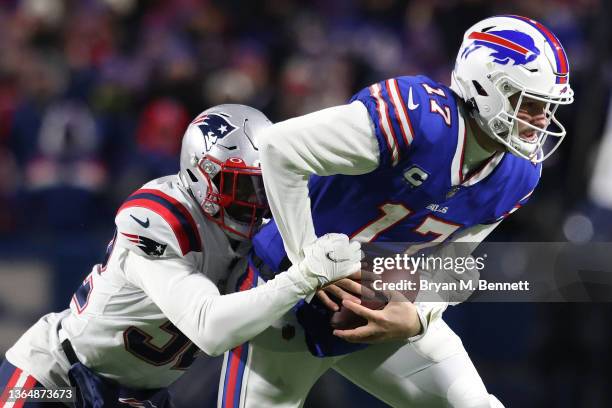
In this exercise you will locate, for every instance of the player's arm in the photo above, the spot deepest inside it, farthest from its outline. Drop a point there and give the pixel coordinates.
(217, 323)
(337, 140)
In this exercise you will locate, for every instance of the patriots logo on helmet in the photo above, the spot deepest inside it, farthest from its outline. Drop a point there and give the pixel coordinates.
(507, 45)
(214, 126)
(148, 246)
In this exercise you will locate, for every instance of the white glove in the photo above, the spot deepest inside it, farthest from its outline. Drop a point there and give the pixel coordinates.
(331, 257)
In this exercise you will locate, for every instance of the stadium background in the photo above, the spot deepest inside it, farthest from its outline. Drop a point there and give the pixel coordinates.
(95, 95)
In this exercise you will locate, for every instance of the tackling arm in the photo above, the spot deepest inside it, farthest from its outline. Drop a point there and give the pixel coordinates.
(218, 323)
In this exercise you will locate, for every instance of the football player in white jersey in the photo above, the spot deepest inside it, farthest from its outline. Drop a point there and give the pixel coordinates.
(474, 149)
(139, 318)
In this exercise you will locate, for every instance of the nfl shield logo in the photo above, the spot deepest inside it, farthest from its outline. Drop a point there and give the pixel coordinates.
(453, 191)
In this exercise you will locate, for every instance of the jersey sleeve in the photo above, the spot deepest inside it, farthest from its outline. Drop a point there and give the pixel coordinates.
(214, 322)
(337, 140)
(156, 225)
(518, 196)
(390, 104)
(515, 208)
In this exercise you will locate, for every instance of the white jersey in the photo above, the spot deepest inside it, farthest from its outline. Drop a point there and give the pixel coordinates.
(141, 317)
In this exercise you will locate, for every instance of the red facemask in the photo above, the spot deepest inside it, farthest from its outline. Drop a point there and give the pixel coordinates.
(239, 194)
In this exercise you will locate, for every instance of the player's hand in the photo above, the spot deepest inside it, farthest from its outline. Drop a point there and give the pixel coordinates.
(331, 257)
(397, 321)
(347, 288)
(351, 288)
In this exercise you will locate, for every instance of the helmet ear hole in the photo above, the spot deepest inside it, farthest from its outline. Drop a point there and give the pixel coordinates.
(192, 176)
(479, 88)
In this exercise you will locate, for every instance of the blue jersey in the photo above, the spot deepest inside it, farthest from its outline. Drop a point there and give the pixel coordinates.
(418, 193)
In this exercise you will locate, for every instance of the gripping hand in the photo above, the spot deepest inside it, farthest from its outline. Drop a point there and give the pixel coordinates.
(331, 257)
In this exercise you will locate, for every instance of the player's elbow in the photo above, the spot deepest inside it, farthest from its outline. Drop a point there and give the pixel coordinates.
(213, 350)
(213, 345)
(216, 338)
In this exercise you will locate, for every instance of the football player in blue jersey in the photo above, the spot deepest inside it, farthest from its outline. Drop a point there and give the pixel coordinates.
(406, 160)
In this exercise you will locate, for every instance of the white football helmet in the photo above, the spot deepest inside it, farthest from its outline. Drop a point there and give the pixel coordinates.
(220, 167)
(507, 55)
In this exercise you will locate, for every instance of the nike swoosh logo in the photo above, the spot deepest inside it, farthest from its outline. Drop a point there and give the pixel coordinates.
(411, 104)
(334, 260)
(144, 224)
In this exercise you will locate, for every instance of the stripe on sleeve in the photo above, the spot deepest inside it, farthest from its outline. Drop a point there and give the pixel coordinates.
(173, 212)
(385, 123)
(26, 382)
(9, 385)
(526, 198)
(401, 113)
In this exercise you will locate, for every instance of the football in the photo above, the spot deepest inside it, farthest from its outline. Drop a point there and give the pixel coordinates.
(380, 286)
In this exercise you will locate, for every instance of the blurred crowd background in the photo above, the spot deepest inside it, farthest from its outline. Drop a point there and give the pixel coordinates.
(95, 96)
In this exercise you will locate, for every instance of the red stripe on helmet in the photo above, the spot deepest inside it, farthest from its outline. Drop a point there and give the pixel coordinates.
(495, 39)
(561, 57)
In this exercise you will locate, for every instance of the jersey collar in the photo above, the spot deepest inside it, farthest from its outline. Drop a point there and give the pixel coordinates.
(456, 176)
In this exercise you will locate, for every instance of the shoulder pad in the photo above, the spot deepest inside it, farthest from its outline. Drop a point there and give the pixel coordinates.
(158, 224)
(406, 112)
(437, 117)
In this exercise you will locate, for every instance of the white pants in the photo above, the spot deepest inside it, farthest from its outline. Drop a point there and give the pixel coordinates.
(434, 371)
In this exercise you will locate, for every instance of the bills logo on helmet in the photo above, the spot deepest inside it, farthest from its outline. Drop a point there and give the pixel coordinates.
(148, 246)
(214, 126)
(507, 45)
